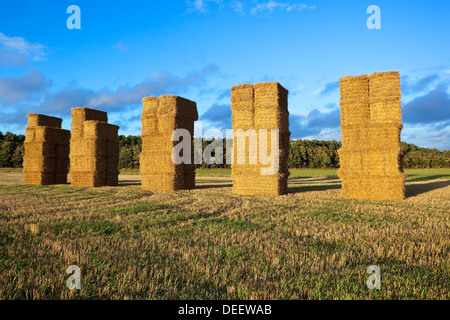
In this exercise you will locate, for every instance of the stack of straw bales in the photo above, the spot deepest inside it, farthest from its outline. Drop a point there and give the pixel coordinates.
(371, 121)
(46, 159)
(94, 149)
(160, 117)
(260, 106)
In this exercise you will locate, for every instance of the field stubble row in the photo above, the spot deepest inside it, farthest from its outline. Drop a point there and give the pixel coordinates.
(209, 244)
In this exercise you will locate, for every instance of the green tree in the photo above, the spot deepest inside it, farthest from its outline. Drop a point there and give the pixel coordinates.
(17, 158)
(6, 153)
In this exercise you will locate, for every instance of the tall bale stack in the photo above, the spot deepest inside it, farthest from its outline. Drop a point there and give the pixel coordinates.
(260, 106)
(160, 117)
(371, 154)
(46, 159)
(94, 149)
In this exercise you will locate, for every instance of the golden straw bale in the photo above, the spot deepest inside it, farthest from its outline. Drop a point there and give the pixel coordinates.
(40, 120)
(160, 117)
(46, 151)
(94, 149)
(371, 154)
(259, 106)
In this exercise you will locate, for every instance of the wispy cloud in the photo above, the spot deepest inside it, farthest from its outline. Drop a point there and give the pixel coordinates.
(120, 46)
(329, 88)
(17, 50)
(238, 6)
(22, 88)
(252, 7)
(271, 6)
(32, 93)
(202, 5)
(413, 86)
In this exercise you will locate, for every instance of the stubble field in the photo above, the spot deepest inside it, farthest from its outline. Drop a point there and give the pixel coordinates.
(210, 244)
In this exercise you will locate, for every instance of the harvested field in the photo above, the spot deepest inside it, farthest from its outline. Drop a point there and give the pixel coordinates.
(207, 243)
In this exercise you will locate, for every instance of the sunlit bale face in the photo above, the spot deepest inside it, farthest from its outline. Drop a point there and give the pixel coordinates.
(261, 139)
(46, 159)
(371, 121)
(94, 149)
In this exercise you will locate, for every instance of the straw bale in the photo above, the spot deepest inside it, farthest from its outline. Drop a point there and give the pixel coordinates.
(371, 155)
(161, 182)
(160, 117)
(81, 114)
(40, 120)
(260, 106)
(149, 125)
(261, 185)
(243, 119)
(88, 179)
(150, 106)
(94, 149)
(46, 151)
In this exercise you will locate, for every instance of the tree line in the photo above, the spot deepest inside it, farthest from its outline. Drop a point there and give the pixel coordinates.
(303, 153)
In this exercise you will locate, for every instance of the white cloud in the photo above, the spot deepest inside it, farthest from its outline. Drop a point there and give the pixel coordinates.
(253, 7)
(270, 6)
(202, 5)
(121, 46)
(238, 6)
(32, 93)
(21, 47)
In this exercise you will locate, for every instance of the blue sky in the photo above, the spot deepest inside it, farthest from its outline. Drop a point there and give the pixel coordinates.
(200, 49)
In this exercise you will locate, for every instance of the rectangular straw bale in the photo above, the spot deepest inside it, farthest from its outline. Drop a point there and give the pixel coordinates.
(94, 151)
(171, 106)
(150, 108)
(40, 120)
(354, 100)
(160, 117)
(270, 95)
(46, 150)
(371, 155)
(385, 97)
(260, 106)
(80, 115)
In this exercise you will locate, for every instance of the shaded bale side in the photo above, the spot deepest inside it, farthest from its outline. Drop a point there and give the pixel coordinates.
(40, 120)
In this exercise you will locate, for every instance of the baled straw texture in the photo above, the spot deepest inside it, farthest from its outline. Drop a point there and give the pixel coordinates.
(160, 117)
(371, 155)
(46, 159)
(260, 106)
(94, 149)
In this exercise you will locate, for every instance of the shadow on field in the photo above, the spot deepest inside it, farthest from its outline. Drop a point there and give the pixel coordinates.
(427, 178)
(413, 190)
(308, 179)
(213, 186)
(319, 187)
(127, 183)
